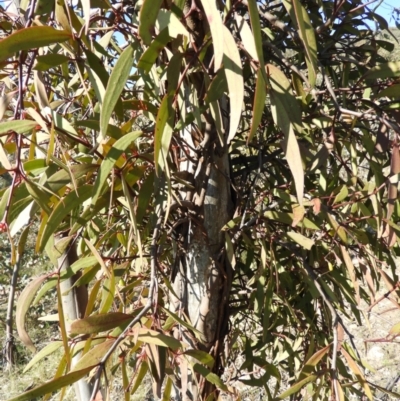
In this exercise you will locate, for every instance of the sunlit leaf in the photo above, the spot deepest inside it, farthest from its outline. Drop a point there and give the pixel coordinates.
(147, 18)
(108, 163)
(258, 105)
(296, 387)
(18, 126)
(94, 356)
(287, 115)
(52, 385)
(384, 70)
(31, 38)
(47, 350)
(209, 376)
(23, 303)
(61, 210)
(217, 31)
(116, 83)
(99, 323)
(357, 372)
(234, 78)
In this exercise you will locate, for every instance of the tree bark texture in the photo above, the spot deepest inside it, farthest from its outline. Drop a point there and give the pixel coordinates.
(74, 300)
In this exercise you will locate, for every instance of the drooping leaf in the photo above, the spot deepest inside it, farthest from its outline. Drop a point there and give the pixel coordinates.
(108, 163)
(31, 38)
(306, 243)
(94, 356)
(256, 26)
(142, 370)
(167, 19)
(203, 357)
(44, 63)
(61, 210)
(163, 127)
(296, 387)
(390, 69)
(395, 330)
(313, 361)
(99, 323)
(47, 350)
(154, 337)
(217, 31)
(18, 126)
(258, 105)
(234, 78)
(357, 372)
(287, 115)
(148, 58)
(23, 303)
(116, 83)
(210, 376)
(53, 385)
(147, 18)
(306, 32)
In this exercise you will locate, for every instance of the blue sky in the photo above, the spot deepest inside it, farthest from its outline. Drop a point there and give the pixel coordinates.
(386, 10)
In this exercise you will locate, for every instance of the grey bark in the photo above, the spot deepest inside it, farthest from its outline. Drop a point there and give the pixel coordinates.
(74, 301)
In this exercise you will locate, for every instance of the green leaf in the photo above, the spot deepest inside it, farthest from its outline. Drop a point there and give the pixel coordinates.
(63, 177)
(167, 19)
(116, 83)
(41, 197)
(113, 155)
(259, 104)
(296, 387)
(392, 91)
(303, 241)
(383, 71)
(344, 191)
(176, 318)
(31, 38)
(145, 193)
(234, 78)
(18, 126)
(61, 210)
(147, 18)
(395, 330)
(53, 385)
(287, 115)
(47, 350)
(217, 88)
(23, 303)
(313, 361)
(247, 36)
(94, 356)
(306, 32)
(357, 372)
(154, 337)
(210, 377)
(143, 368)
(149, 57)
(204, 357)
(217, 31)
(98, 323)
(163, 131)
(255, 24)
(44, 63)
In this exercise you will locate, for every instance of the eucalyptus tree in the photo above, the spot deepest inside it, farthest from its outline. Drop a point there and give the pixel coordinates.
(215, 183)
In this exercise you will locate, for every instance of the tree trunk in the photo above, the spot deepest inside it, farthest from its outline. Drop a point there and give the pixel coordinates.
(202, 278)
(9, 346)
(74, 301)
